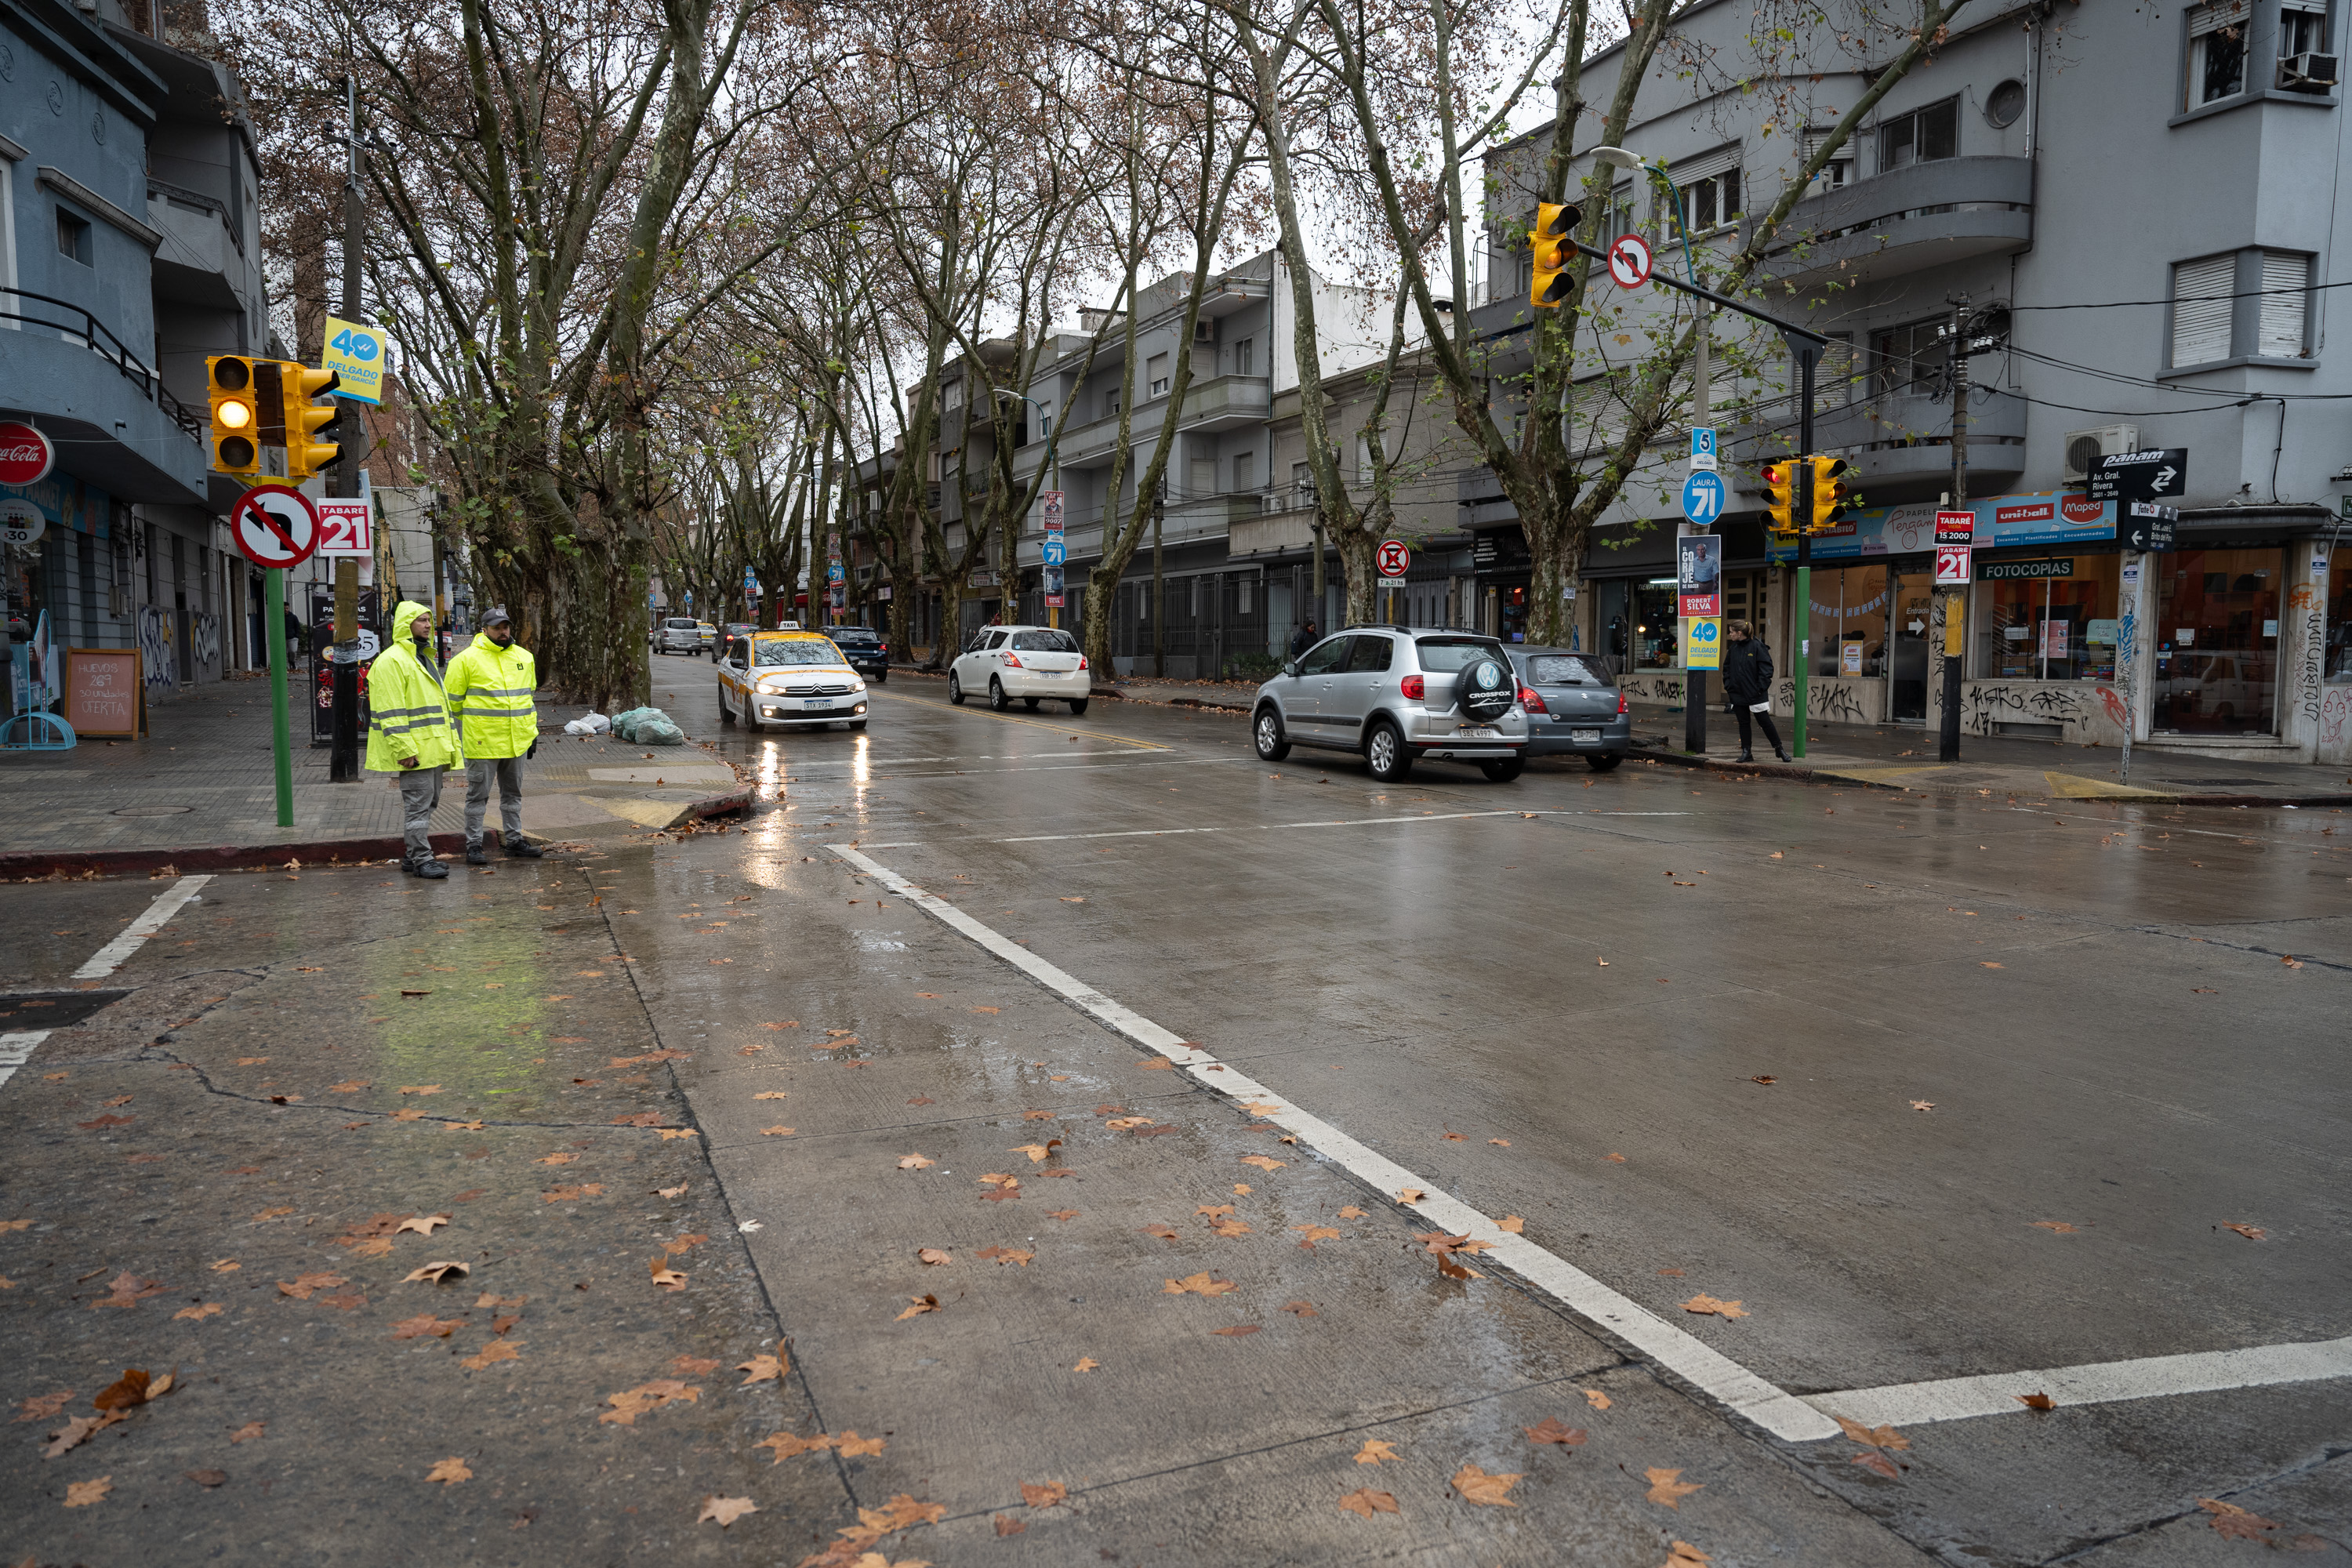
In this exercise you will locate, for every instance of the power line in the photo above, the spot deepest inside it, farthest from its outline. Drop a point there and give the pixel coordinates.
(2186, 298)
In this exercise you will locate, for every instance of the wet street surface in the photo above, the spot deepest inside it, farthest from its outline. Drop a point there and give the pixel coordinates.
(1030, 1140)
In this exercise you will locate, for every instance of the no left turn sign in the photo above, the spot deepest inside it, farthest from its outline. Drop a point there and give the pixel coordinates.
(1629, 262)
(275, 525)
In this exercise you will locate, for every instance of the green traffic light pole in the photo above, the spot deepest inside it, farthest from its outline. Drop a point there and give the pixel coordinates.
(273, 623)
(1805, 346)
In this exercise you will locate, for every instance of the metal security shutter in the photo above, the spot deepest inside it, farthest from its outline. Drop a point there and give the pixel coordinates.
(2222, 14)
(1691, 170)
(2280, 335)
(2200, 309)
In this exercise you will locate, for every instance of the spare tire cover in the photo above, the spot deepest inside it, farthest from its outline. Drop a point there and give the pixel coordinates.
(1484, 689)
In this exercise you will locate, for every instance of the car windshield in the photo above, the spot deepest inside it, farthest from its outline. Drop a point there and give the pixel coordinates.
(1564, 669)
(775, 651)
(680, 626)
(1042, 642)
(855, 634)
(1447, 655)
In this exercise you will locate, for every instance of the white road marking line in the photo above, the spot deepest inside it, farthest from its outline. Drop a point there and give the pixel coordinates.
(1277, 827)
(2151, 1377)
(1689, 1359)
(115, 954)
(16, 1048)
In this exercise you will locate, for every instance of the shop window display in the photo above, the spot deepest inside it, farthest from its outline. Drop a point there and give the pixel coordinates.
(2339, 620)
(2217, 641)
(2049, 619)
(1657, 632)
(1848, 622)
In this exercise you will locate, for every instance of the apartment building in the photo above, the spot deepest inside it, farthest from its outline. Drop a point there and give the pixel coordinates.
(2145, 206)
(130, 249)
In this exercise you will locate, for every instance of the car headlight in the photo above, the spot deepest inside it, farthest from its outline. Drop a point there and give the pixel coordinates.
(856, 684)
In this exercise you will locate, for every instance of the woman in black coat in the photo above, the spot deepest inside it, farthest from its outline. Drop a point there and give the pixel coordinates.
(1748, 685)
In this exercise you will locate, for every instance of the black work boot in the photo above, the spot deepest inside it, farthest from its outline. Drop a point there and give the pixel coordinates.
(476, 856)
(1779, 754)
(1745, 755)
(522, 849)
(429, 868)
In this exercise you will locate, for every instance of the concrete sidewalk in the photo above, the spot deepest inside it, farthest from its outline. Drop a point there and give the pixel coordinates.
(1902, 757)
(199, 792)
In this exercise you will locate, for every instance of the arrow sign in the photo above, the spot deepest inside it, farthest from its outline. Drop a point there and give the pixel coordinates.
(2150, 475)
(276, 526)
(1629, 262)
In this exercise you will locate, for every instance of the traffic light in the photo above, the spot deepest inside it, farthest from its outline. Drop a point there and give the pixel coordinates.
(1780, 490)
(1548, 239)
(1833, 495)
(305, 454)
(236, 439)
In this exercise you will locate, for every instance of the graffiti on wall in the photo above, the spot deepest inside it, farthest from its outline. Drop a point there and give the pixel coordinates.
(158, 658)
(2311, 658)
(2335, 714)
(2074, 705)
(205, 633)
(1664, 690)
(1829, 701)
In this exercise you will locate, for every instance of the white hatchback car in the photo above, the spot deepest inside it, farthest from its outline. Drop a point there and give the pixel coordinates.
(1032, 663)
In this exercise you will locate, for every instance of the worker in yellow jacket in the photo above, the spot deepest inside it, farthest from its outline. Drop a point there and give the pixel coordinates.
(490, 686)
(409, 732)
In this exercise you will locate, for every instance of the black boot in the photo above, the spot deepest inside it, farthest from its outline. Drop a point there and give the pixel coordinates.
(431, 870)
(1779, 754)
(522, 849)
(476, 856)
(1745, 755)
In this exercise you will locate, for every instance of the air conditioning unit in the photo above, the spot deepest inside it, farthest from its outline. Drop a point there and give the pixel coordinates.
(2307, 71)
(1204, 328)
(2085, 448)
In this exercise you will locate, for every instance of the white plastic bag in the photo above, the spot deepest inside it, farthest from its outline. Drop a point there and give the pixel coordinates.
(588, 724)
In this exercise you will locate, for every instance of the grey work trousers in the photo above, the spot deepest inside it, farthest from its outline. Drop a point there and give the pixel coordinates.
(479, 771)
(420, 792)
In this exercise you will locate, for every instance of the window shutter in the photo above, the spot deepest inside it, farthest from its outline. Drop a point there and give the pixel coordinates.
(2281, 336)
(2222, 13)
(2200, 309)
(2319, 6)
(1692, 170)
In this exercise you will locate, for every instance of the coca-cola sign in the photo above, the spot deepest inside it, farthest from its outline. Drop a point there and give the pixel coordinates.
(26, 455)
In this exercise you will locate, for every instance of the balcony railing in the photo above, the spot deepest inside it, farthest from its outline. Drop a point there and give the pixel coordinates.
(75, 323)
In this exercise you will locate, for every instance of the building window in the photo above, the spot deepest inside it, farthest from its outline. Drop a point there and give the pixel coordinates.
(1155, 371)
(2208, 327)
(1617, 220)
(1909, 359)
(955, 395)
(2301, 30)
(2049, 620)
(2217, 651)
(2004, 104)
(1920, 136)
(1302, 480)
(2282, 326)
(1838, 170)
(2217, 50)
(1245, 357)
(2201, 310)
(1110, 403)
(1244, 471)
(73, 238)
(1847, 622)
(1710, 189)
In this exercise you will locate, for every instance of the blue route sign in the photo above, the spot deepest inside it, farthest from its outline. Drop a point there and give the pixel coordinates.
(1057, 552)
(1703, 498)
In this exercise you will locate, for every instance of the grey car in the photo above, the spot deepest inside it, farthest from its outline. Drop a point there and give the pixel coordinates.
(678, 633)
(1395, 696)
(1577, 709)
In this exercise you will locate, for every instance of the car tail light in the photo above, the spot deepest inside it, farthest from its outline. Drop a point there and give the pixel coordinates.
(1013, 661)
(1530, 702)
(1623, 706)
(1413, 688)
(1082, 664)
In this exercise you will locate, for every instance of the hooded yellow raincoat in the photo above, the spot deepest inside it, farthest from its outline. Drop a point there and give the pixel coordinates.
(491, 687)
(408, 714)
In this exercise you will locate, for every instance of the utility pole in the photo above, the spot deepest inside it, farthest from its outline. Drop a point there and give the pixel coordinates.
(1695, 681)
(1159, 585)
(343, 753)
(1955, 600)
(1808, 354)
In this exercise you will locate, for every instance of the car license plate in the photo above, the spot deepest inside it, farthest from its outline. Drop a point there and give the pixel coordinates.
(1482, 733)
(1585, 735)
(816, 702)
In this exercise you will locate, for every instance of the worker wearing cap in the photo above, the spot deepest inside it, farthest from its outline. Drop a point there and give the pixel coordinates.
(491, 686)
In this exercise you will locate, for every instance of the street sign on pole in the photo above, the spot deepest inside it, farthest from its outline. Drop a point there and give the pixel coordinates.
(2152, 475)
(2147, 525)
(1629, 262)
(275, 525)
(1702, 448)
(1703, 642)
(1056, 551)
(356, 355)
(1952, 565)
(1702, 497)
(1050, 501)
(344, 528)
(1956, 527)
(1393, 557)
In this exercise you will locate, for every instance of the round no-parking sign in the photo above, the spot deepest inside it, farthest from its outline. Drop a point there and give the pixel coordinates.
(275, 525)
(1393, 557)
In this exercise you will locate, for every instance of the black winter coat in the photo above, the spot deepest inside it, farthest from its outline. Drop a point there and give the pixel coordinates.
(1747, 671)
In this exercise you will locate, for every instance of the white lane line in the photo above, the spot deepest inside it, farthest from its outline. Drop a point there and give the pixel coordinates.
(1694, 1362)
(1279, 827)
(115, 954)
(1959, 1398)
(16, 1048)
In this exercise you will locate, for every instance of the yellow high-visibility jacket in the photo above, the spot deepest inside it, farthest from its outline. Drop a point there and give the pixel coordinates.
(408, 715)
(490, 690)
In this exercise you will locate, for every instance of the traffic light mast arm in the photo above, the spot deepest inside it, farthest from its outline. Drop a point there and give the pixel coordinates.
(1786, 328)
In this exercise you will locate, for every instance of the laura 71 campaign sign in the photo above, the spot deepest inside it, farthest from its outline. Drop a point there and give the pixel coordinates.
(275, 525)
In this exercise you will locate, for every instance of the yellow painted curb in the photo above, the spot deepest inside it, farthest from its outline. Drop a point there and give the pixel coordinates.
(2074, 787)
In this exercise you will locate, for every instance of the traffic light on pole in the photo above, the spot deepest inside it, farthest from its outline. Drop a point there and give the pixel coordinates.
(305, 455)
(1780, 492)
(235, 441)
(1833, 494)
(1548, 240)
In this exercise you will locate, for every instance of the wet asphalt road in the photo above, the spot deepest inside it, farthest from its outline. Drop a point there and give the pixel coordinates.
(1676, 1027)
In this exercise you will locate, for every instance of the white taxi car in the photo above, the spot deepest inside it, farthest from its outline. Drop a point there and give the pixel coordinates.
(1032, 663)
(789, 678)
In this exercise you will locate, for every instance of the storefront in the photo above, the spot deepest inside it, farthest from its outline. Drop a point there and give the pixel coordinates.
(2218, 616)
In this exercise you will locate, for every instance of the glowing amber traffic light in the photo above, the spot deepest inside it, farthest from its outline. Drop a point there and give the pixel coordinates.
(235, 441)
(1548, 241)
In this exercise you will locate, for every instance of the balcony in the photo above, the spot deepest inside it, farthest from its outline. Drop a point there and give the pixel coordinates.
(1226, 403)
(1898, 442)
(1909, 219)
(199, 262)
(116, 426)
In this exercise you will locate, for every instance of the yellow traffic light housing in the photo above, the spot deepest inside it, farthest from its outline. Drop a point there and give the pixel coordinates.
(1548, 240)
(1781, 489)
(305, 456)
(1833, 493)
(236, 438)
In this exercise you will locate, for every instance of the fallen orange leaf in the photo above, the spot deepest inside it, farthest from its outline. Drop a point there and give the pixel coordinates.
(1666, 1488)
(632, 1402)
(1552, 1429)
(1477, 1486)
(725, 1510)
(1369, 1502)
(450, 1472)
(497, 1350)
(1595, 1398)
(81, 1494)
(924, 1303)
(1043, 1494)
(1876, 1436)
(1086, 1364)
(1199, 1285)
(1704, 1304)
(1375, 1450)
